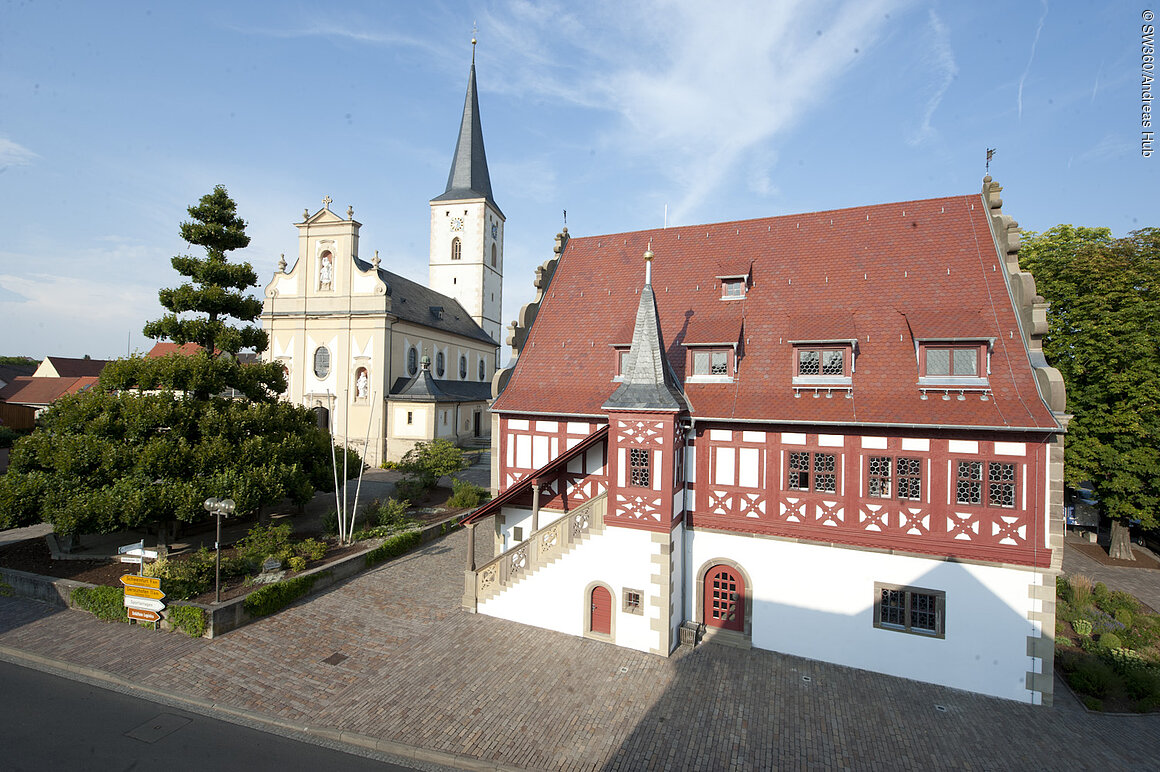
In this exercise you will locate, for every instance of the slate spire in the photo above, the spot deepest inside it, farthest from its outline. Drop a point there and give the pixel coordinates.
(469, 177)
(649, 382)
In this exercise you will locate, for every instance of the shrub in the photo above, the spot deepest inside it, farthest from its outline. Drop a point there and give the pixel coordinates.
(264, 541)
(1126, 662)
(297, 563)
(1124, 617)
(1082, 627)
(184, 579)
(1091, 703)
(330, 522)
(1080, 593)
(275, 597)
(1099, 592)
(1092, 677)
(393, 547)
(1120, 601)
(107, 603)
(466, 495)
(1110, 641)
(6, 589)
(310, 549)
(8, 436)
(432, 460)
(412, 488)
(387, 515)
(1144, 683)
(188, 619)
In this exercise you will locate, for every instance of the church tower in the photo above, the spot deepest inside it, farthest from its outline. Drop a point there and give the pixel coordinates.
(467, 226)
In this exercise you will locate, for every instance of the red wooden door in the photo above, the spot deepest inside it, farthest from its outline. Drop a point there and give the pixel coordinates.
(725, 598)
(601, 611)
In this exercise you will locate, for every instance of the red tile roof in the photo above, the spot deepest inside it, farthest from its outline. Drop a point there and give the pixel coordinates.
(165, 348)
(845, 274)
(27, 390)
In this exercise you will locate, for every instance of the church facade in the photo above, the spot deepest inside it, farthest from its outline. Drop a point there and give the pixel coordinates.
(832, 435)
(388, 361)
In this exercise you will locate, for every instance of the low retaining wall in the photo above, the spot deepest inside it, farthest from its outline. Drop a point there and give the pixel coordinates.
(220, 617)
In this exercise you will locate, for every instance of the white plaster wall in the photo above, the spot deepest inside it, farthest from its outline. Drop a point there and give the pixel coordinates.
(817, 602)
(554, 597)
(417, 428)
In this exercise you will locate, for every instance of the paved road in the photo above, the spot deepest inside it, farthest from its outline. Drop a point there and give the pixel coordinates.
(57, 723)
(427, 676)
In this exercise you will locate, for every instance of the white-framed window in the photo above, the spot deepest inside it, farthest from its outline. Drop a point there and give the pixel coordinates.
(321, 362)
(832, 362)
(412, 360)
(910, 609)
(732, 288)
(463, 367)
(456, 248)
(711, 361)
(440, 364)
(945, 361)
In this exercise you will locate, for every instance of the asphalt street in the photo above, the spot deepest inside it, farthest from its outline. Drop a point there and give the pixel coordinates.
(53, 723)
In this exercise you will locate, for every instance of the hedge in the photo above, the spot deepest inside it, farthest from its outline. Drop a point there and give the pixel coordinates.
(393, 547)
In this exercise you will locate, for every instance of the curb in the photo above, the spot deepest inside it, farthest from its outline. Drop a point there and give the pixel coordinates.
(295, 730)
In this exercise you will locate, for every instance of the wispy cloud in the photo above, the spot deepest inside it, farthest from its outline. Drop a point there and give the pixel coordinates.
(1031, 58)
(940, 60)
(354, 30)
(694, 92)
(12, 154)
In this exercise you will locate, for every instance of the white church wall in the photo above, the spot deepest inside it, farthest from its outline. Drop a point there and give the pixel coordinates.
(555, 597)
(818, 602)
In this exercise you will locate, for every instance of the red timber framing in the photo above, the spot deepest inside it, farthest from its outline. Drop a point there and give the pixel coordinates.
(529, 443)
(917, 493)
(643, 476)
(557, 473)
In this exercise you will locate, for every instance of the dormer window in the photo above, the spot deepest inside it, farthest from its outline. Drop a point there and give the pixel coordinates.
(711, 364)
(954, 368)
(823, 367)
(733, 287)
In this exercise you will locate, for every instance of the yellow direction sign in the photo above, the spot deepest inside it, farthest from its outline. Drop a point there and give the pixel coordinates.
(152, 582)
(144, 592)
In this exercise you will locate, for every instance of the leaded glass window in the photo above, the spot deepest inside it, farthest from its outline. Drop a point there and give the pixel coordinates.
(824, 361)
(825, 479)
(440, 365)
(969, 484)
(909, 609)
(799, 471)
(462, 368)
(960, 361)
(638, 461)
(321, 362)
(1000, 484)
(711, 362)
(879, 478)
(909, 476)
(482, 370)
(412, 360)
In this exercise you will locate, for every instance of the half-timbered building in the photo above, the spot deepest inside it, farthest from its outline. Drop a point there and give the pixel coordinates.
(832, 435)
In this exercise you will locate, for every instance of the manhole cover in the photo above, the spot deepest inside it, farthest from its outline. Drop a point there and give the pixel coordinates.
(335, 658)
(154, 729)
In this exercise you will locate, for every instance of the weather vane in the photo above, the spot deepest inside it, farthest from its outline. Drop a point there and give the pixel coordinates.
(474, 30)
(565, 216)
(990, 155)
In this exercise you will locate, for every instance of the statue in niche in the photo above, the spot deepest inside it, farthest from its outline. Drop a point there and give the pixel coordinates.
(325, 271)
(361, 383)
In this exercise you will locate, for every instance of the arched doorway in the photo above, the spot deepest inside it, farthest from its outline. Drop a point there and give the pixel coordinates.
(601, 611)
(725, 598)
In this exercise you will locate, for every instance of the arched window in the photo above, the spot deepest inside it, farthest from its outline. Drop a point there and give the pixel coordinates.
(439, 365)
(462, 367)
(412, 360)
(482, 370)
(493, 263)
(456, 248)
(321, 362)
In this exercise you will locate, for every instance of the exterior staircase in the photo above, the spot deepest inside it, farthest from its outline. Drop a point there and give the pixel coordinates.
(540, 549)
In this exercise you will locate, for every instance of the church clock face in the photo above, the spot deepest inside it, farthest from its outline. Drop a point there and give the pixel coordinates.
(494, 230)
(456, 223)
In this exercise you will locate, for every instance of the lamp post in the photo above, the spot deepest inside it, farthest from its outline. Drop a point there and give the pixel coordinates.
(218, 507)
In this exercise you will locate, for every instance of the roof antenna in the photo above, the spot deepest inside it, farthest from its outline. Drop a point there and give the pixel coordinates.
(990, 155)
(474, 30)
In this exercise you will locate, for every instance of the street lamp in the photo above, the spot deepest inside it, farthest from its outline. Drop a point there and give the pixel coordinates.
(218, 507)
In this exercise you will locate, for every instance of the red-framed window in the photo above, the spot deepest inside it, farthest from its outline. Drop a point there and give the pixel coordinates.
(890, 477)
(812, 471)
(992, 482)
(940, 360)
(822, 361)
(710, 362)
(733, 288)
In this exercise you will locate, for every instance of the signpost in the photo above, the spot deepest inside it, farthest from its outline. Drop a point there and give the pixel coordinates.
(142, 593)
(142, 615)
(147, 604)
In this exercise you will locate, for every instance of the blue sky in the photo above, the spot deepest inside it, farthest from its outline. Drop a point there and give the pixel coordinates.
(116, 117)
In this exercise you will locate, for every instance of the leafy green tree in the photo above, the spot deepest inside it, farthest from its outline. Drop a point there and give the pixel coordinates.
(155, 438)
(428, 461)
(1104, 337)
